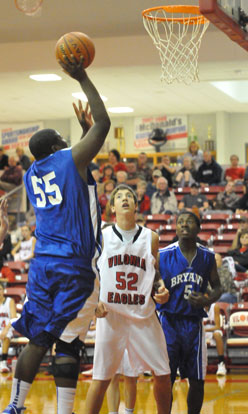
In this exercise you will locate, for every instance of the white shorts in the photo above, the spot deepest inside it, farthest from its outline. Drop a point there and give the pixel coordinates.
(79, 326)
(126, 369)
(209, 337)
(142, 338)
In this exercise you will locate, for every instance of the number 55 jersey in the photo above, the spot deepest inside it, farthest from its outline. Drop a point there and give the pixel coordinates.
(66, 208)
(127, 272)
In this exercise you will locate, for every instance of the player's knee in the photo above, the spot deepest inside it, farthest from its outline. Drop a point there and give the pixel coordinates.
(65, 367)
(66, 362)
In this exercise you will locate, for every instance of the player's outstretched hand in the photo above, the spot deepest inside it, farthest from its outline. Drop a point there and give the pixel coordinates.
(162, 295)
(101, 310)
(198, 299)
(83, 115)
(73, 68)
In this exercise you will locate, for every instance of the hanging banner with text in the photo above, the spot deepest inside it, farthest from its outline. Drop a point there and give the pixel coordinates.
(175, 128)
(18, 135)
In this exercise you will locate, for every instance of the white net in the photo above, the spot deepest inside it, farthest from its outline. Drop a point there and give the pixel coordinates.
(177, 35)
(29, 7)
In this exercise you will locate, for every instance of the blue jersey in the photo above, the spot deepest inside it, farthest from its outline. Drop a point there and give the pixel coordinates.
(66, 208)
(181, 278)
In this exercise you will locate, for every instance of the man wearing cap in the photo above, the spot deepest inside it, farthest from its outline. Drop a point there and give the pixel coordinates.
(186, 268)
(194, 199)
(151, 186)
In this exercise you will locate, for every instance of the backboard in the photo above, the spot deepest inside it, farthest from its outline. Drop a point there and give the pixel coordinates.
(230, 16)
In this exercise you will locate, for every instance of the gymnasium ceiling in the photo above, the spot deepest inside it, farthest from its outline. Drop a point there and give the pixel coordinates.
(127, 76)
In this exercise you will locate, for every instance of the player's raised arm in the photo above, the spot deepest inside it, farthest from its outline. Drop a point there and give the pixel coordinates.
(84, 151)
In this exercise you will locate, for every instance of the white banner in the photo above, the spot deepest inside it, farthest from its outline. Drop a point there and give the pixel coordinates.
(175, 127)
(18, 135)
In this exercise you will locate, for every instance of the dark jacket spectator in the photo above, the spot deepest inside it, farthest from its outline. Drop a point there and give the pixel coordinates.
(23, 159)
(209, 172)
(4, 159)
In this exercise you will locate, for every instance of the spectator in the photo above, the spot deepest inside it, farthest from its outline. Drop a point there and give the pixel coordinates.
(243, 226)
(195, 153)
(121, 177)
(5, 249)
(143, 199)
(132, 175)
(186, 175)
(209, 172)
(229, 294)
(240, 255)
(12, 176)
(140, 219)
(166, 169)
(227, 199)
(4, 159)
(108, 187)
(94, 169)
(194, 200)
(234, 172)
(242, 203)
(7, 312)
(151, 186)
(114, 160)
(24, 250)
(143, 170)
(163, 201)
(24, 160)
(213, 334)
(108, 173)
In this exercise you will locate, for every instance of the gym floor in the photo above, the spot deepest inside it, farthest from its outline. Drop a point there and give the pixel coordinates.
(226, 395)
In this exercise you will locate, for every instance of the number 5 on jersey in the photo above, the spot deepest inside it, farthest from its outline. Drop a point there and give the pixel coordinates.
(49, 188)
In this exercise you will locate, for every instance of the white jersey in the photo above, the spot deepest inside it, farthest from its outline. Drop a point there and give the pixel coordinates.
(127, 273)
(26, 249)
(5, 313)
(209, 321)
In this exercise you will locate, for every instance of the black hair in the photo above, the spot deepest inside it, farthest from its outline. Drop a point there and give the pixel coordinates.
(116, 154)
(122, 187)
(197, 220)
(40, 144)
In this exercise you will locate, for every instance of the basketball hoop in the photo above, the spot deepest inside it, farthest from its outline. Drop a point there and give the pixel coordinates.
(29, 7)
(176, 32)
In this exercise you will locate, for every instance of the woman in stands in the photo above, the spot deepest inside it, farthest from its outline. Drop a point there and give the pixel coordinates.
(240, 255)
(24, 250)
(7, 312)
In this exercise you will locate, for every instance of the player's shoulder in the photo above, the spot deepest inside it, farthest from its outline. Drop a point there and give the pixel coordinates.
(205, 250)
(171, 248)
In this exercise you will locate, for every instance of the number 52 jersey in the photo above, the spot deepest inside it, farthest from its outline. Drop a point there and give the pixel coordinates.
(66, 208)
(127, 273)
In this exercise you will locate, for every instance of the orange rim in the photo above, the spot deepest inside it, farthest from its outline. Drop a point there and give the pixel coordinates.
(199, 19)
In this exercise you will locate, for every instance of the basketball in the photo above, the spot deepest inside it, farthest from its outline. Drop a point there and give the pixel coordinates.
(76, 44)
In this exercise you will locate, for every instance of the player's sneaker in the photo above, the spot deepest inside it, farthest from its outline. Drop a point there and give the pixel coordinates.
(12, 409)
(4, 367)
(221, 369)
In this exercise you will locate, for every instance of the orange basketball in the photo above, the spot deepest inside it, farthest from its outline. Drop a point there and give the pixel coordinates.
(76, 44)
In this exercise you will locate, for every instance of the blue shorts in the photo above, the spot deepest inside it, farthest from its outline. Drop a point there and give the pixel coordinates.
(185, 345)
(57, 290)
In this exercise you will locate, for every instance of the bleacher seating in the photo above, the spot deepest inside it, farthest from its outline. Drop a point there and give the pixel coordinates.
(237, 335)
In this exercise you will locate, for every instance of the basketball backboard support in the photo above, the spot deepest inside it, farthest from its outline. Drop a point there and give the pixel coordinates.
(230, 16)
